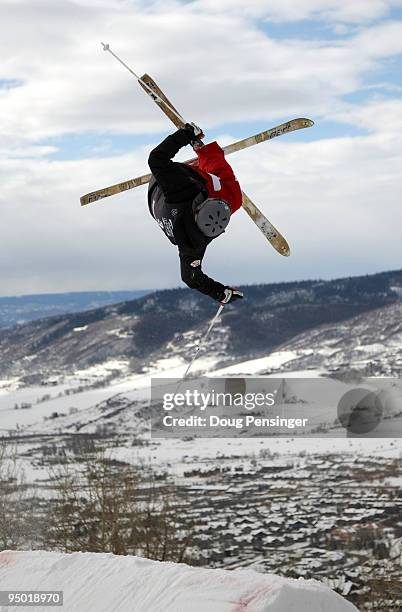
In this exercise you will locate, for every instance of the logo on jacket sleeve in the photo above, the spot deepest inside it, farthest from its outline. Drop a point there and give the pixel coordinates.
(168, 227)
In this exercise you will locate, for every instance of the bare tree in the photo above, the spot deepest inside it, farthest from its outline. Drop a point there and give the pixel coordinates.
(160, 531)
(15, 507)
(101, 506)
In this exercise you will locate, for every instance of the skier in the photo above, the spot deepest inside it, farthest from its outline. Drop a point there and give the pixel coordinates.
(192, 203)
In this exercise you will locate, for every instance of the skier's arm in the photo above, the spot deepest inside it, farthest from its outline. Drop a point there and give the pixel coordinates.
(194, 277)
(172, 178)
(161, 157)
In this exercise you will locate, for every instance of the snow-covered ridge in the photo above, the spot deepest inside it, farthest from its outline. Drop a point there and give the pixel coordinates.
(109, 583)
(167, 324)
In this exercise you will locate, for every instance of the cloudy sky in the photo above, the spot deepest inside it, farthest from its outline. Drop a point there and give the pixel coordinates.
(72, 120)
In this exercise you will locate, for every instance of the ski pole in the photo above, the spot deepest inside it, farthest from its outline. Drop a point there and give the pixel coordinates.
(203, 340)
(200, 344)
(147, 88)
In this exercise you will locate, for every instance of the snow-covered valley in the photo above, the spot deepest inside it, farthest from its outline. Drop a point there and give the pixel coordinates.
(320, 505)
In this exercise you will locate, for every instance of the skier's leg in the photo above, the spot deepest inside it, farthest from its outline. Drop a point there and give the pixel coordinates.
(194, 277)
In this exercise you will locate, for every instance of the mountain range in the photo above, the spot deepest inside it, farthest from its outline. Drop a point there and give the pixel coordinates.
(24, 308)
(344, 314)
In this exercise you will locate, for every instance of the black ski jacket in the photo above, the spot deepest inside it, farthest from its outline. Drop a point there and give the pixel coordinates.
(171, 193)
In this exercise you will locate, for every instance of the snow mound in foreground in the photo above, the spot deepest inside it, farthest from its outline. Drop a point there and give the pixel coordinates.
(108, 583)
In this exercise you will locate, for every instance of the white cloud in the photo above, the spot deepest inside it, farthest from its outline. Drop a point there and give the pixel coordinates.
(220, 69)
(337, 199)
(50, 242)
(381, 115)
(379, 41)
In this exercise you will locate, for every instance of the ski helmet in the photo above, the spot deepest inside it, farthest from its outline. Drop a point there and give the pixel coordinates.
(212, 216)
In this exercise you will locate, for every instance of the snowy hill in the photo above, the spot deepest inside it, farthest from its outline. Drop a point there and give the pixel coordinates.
(166, 324)
(50, 392)
(109, 583)
(372, 340)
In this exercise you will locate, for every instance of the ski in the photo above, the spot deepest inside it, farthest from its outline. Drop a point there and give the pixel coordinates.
(157, 95)
(284, 128)
(273, 235)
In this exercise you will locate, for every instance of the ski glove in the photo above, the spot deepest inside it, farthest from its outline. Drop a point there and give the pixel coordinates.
(230, 295)
(194, 133)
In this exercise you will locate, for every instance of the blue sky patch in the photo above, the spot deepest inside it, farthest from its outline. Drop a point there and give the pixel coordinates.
(10, 83)
(317, 31)
(85, 145)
